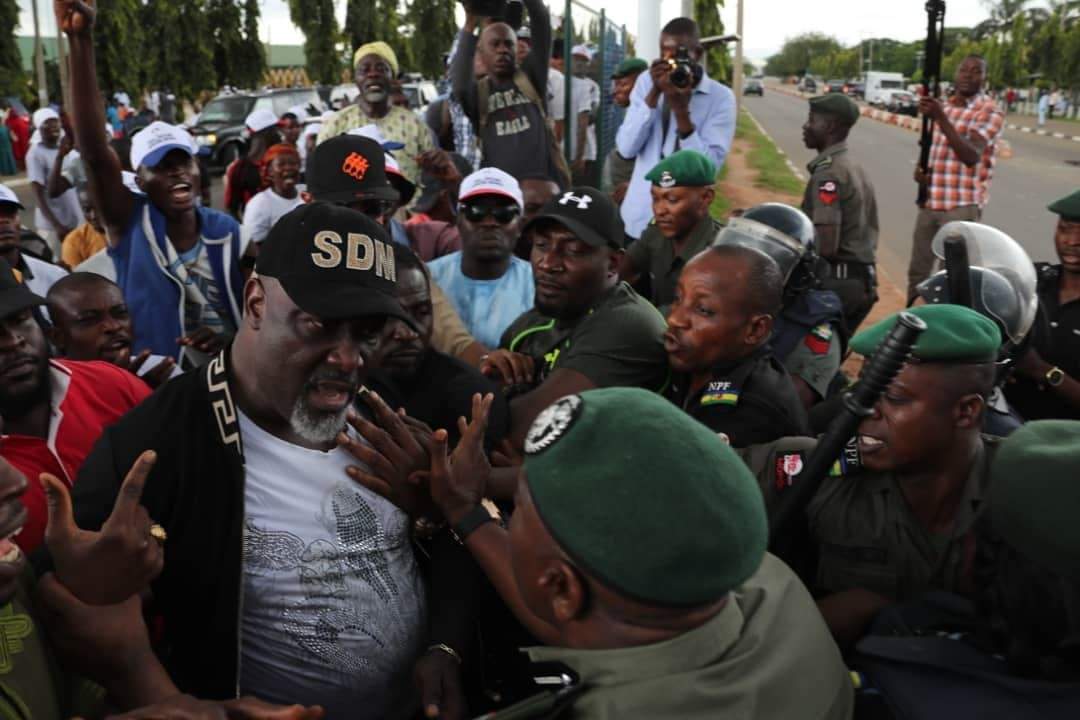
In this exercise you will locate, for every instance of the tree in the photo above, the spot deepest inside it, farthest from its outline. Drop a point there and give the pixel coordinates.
(118, 45)
(180, 57)
(434, 28)
(223, 18)
(251, 59)
(798, 52)
(369, 20)
(12, 79)
(316, 20)
(707, 14)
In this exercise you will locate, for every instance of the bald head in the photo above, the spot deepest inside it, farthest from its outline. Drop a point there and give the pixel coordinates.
(498, 50)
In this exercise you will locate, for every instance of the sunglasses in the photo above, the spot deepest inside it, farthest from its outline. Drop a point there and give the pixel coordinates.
(503, 214)
(374, 208)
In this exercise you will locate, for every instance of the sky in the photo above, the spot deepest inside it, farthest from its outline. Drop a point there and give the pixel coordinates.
(766, 23)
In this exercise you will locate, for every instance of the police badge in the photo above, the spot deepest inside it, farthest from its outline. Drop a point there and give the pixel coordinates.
(667, 180)
(552, 423)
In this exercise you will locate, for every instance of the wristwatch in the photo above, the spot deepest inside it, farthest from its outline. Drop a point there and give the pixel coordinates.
(483, 513)
(1055, 376)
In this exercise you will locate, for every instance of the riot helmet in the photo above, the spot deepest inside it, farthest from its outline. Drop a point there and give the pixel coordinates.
(780, 231)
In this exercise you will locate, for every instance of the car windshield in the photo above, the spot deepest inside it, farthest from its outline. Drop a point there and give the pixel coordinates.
(227, 110)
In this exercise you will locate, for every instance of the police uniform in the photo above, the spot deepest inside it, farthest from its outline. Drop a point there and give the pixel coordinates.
(752, 400)
(839, 193)
(654, 255)
(865, 534)
(690, 540)
(807, 339)
(1055, 336)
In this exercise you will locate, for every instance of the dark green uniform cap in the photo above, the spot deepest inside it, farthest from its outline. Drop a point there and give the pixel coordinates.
(1067, 207)
(686, 168)
(1034, 493)
(954, 333)
(629, 66)
(644, 498)
(836, 104)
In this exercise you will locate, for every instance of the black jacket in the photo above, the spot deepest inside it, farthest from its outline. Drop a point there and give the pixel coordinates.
(196, 492)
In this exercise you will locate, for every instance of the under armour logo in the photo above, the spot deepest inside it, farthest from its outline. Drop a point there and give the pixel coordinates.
(355, 165)
(582, 201)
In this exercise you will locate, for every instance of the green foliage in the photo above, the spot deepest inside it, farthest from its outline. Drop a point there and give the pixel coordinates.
(370, 20)
(707, 14)
(316, 20)
(251, 58)
(118, 45)
(797, 54)
(223, 18)
(178, 54)
(433, 32)
(12, 79)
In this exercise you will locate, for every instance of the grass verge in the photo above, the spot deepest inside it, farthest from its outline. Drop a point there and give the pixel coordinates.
(771, 165)
(721, 205)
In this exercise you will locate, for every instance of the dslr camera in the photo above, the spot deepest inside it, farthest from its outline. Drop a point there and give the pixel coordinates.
(682, 68)
(511, 12)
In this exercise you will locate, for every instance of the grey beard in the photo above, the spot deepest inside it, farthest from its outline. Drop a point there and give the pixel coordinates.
(375, 96)
(317, 428)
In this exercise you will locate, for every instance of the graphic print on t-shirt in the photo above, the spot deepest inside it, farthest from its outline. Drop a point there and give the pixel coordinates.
(511, 122)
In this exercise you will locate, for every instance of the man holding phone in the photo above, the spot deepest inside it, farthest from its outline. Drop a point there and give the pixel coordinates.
(675, 106)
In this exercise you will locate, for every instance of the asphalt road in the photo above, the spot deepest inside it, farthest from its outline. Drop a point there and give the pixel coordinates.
(1038, 173)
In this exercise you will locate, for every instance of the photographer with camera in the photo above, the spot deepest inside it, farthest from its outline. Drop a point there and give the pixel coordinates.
(675, 106)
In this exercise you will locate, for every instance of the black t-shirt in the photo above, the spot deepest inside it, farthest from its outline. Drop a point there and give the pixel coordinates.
(1056, 337)
(752, 402)
(442, 392)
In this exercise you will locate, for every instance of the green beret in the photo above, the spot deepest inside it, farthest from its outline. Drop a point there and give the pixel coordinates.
(836, 104)
(629, 66)
(1034, 493)
(1067, 207)
(687, 168)
(644, 498)
(954, 333)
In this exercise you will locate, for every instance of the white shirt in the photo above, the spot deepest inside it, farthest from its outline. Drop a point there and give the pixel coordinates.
(334, 608)
(39, 163)
(594, 106)
(45, 274)
(555, 100)
(580, 101)
(261, 212)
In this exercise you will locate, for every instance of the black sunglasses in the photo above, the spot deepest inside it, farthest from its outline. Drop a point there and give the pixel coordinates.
(374, 208)
(503, 214)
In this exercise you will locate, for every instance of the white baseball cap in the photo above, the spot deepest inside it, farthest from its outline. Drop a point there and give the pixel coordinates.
(312, 128)
(373, 132)
(156, 140)
(260, 119)
(7, 195)
(491, 181)
(299, 111)
(582, 50)
(43, 115)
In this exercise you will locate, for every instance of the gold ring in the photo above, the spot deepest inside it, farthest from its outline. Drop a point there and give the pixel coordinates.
(158, 533)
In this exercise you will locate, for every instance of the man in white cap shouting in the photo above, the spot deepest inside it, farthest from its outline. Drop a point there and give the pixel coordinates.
(54, 218)
(177, 263)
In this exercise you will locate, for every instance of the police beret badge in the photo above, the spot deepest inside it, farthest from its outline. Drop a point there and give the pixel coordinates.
(667, 180)
(552, 424)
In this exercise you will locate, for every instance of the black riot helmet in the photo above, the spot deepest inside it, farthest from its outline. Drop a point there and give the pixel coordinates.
(785, 234)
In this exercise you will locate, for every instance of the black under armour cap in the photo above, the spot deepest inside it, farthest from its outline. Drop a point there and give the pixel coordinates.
(333, 262)
(347, 168)
(586, 212)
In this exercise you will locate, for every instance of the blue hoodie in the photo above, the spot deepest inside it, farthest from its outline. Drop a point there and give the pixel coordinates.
(154, 297)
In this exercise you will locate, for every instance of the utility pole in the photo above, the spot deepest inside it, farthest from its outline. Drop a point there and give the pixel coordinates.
(648, 41)
(737, 75)
(688, 9)
(39, 59)
(62, 64)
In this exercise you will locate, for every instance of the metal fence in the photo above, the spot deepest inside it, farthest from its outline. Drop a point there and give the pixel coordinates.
(608, 44)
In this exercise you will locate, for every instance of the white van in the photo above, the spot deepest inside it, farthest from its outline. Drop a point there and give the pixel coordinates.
(879, 86)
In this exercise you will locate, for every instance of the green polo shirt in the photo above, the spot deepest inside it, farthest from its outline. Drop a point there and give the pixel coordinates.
(840, 193)
(618, 343)
(767, 654)
(655, 254)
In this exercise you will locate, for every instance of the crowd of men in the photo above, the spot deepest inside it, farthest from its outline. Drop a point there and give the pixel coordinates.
(420, 425)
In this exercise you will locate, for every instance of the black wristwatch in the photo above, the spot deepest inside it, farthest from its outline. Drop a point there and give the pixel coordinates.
(473, 519)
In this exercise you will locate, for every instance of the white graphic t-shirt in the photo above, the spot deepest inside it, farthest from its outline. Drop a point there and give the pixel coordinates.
(334, 608)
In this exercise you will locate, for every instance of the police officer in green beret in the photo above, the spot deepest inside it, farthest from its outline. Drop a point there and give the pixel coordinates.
(619, 170)
(897, 515)
(724, 372)
(682, 191)
(646, 578)
(1047, 379)
(840, 199)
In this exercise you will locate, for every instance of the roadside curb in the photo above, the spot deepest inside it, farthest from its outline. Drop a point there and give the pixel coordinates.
(1044, 133)
(791, 166)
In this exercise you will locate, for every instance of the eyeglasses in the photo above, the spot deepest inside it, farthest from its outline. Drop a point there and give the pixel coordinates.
(374, 208)
(503, 214)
